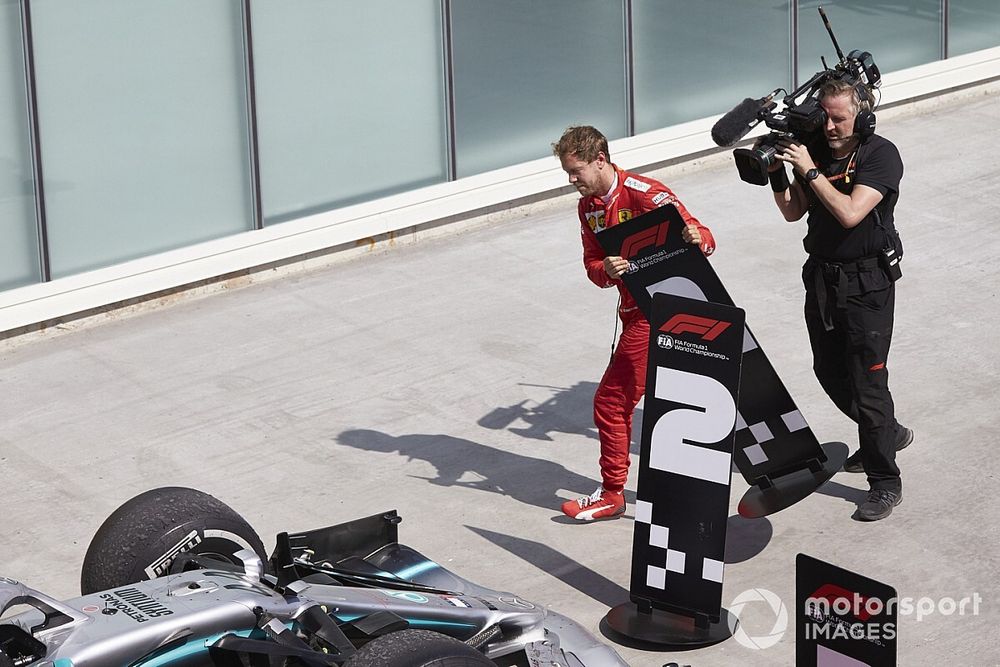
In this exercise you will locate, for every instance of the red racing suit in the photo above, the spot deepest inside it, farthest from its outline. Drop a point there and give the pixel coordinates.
(624, 381)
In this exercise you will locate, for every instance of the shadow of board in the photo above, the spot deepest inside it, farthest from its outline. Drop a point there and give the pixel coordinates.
(560, 566)
(745, 539)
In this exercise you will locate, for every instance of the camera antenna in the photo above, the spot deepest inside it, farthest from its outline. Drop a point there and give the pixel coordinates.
(826, 22)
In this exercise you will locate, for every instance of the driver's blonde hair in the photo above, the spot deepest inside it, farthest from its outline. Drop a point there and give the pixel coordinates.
(583, 141)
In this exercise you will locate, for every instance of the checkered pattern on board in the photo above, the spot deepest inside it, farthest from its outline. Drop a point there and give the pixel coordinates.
(760, 432)
(674, 560)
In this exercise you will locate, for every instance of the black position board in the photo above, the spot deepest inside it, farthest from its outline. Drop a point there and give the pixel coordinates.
(685, 463)
(772, 436)
(842, 619)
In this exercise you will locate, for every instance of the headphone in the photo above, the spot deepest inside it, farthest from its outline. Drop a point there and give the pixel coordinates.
(864, 122)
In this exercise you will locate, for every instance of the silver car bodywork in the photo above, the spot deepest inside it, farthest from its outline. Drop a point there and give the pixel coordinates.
(318, 603)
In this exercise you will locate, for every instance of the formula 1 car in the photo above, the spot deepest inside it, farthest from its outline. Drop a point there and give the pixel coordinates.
(176, 577)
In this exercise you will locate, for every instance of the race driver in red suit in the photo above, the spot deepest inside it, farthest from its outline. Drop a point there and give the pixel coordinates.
(611, 196)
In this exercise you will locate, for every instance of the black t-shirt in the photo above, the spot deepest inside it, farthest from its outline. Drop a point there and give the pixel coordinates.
(877, 164)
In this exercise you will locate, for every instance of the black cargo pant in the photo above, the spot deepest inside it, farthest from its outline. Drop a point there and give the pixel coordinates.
(848, 312)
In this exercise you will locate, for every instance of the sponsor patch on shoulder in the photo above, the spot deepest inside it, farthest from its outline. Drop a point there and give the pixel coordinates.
(636, 184)
(662, 197)
(595, 220)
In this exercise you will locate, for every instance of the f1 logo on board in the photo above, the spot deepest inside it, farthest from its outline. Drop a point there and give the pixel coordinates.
(709, 329)
(654, 236)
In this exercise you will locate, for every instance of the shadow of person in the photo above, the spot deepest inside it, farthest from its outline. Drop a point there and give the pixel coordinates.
(568, 410)
(848, 493)
(468, 464)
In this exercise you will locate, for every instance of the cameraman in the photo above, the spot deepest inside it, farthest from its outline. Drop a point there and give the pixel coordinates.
(847, 182)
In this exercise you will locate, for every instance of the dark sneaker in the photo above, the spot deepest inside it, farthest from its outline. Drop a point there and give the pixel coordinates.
(878, 505)
(903, 440)
(853, 463)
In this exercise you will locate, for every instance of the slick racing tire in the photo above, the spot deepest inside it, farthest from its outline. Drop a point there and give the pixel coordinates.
(417, 648)
(144, 536)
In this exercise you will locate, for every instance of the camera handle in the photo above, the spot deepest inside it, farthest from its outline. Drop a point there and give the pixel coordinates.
(814, 82)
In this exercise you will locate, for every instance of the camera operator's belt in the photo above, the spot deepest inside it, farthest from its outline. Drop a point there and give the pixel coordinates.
(835, 274)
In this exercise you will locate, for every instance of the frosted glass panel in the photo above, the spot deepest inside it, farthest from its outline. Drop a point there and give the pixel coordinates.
(143, 126)
(898, 35)
(697, 59)
(19, 263)
(350, 101)
(525, 70)
(972, 25)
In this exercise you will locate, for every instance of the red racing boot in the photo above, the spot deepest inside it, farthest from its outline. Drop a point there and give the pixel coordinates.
(600, 504)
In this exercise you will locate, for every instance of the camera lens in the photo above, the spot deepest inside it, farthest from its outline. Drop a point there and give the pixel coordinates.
(753, 163)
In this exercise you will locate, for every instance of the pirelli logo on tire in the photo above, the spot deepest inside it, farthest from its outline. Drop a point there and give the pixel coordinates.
(221, 542)
(161, 565)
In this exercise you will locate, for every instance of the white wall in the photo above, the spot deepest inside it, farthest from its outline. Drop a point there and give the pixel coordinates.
(38, 303)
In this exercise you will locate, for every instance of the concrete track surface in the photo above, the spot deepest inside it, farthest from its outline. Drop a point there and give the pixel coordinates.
(452, 379)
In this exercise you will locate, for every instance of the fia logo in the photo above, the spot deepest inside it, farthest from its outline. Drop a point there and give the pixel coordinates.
(664, 341)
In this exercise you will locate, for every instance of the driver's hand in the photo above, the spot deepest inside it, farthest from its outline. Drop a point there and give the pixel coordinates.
(691, 234)
(615, 266)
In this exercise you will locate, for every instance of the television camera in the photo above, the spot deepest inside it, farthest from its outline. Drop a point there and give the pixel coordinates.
(800, 114)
